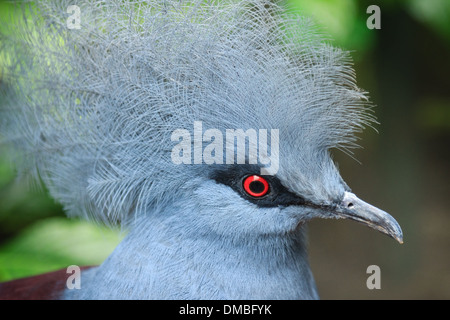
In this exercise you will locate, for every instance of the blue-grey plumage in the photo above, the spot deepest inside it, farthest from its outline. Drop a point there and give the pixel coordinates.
(91, 112)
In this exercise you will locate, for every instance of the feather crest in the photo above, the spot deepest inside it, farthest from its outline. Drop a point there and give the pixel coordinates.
(91, 110)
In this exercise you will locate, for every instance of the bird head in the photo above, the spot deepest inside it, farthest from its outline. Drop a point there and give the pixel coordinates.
(99, 125)
(237, 201)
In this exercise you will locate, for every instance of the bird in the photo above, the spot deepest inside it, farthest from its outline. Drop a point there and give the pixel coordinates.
(203, 128)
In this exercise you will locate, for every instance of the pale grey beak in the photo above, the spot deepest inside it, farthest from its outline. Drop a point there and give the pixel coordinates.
(351, 207)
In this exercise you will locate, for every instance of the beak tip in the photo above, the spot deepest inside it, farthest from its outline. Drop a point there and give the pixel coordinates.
(399, 238)
(397, 232)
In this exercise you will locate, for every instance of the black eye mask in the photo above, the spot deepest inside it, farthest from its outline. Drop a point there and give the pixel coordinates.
(235, 175)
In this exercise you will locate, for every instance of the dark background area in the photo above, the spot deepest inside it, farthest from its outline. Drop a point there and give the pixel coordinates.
(403, 169)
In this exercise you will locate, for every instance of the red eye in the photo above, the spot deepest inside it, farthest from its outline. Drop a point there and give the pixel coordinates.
(256, 186)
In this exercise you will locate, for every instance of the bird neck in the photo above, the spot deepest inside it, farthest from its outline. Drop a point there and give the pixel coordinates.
(160, 259)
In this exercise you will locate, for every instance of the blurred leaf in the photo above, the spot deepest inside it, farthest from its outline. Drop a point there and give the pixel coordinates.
(434, 113)
(20, 204)
(342, 19)
(434, 13)
(56, 243)
(6, 172)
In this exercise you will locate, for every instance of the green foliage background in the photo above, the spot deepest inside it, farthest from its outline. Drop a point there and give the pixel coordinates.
(404, 168)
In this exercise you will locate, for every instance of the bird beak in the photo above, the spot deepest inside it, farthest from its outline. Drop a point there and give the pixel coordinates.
(351, 207)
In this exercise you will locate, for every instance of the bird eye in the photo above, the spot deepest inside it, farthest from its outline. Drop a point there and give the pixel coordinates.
(256, 186)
